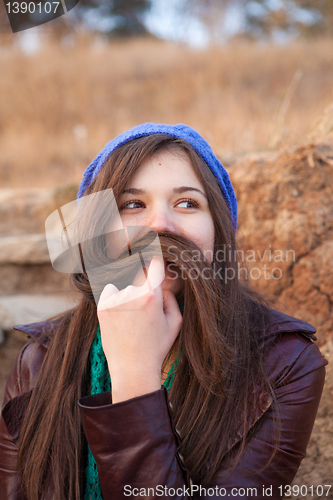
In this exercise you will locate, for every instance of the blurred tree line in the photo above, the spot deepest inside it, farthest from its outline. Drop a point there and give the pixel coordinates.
(123, 18)
(260, 18)
(118, 18)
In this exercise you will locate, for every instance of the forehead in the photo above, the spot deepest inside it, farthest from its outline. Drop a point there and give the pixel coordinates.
(166, 166)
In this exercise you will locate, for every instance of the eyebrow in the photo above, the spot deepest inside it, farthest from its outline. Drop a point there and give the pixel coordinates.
(177, 190)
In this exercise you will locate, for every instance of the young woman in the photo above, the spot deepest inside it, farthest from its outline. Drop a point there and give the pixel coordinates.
(213, 392)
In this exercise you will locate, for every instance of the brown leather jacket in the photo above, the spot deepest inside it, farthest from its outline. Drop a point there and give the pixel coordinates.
(135, 443)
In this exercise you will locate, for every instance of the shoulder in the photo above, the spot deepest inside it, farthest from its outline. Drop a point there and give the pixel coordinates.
(23, 376)
(21, 380)
(290, 350)
(25, 370)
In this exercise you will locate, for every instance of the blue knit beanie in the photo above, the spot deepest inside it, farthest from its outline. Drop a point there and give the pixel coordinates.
(179, 131)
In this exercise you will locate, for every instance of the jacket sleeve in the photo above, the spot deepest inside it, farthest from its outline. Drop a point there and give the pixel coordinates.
(136, 446)
(9, 479)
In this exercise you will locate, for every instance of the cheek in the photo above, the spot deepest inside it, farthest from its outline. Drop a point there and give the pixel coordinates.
(207, 239)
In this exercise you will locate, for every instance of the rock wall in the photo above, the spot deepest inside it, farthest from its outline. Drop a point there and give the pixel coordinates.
(30, 289)
(286, 224)
(286, 231)
(316, 468)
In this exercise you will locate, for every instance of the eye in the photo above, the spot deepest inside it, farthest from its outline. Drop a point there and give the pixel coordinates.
(129, 205)
(188, 201)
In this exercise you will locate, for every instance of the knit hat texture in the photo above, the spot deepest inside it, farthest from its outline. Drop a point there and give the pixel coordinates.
(179, 131)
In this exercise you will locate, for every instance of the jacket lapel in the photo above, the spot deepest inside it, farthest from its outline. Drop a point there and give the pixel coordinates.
(42, 332)
(262, 401)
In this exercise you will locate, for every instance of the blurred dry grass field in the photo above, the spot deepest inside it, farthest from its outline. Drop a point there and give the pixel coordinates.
(60, 106)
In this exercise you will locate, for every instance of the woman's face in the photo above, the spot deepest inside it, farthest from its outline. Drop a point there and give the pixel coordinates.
(166, 195)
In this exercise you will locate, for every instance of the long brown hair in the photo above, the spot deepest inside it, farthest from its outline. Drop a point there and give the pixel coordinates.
(220, 344)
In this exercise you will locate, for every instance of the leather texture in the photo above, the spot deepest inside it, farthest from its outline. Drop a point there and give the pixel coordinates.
(136, 445)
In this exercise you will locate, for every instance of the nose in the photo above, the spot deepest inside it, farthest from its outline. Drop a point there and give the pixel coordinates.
(160, 220)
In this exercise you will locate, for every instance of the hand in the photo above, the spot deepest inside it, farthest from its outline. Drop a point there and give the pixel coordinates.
(138, 328)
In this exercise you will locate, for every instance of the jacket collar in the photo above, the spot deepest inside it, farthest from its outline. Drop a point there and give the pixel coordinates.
(42, 332)
(280, 322)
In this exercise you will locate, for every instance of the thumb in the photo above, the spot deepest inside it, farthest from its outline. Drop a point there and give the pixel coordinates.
(171, 311)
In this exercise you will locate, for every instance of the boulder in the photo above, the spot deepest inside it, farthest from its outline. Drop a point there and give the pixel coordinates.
(24, 259)
(23, 309)
(23, 211)
(24, 249)
(32, 279)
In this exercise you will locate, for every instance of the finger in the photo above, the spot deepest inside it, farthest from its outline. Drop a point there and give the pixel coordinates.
(156, 272)
(112, 297)
(140, 277)
(171, 311)
(108, 291)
